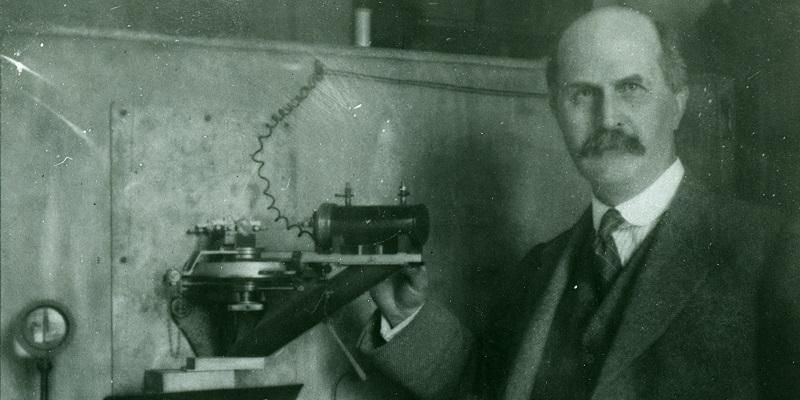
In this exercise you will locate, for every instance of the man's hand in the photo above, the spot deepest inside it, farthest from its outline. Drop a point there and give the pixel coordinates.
(401, 294)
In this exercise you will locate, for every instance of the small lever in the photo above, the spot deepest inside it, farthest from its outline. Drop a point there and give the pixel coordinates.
(348, 194)
(403, 193)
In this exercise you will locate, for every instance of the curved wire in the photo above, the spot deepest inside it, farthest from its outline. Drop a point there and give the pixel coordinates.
(319, 73)
(276, 118)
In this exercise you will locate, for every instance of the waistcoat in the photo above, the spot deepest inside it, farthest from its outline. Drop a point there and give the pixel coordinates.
(585, 324)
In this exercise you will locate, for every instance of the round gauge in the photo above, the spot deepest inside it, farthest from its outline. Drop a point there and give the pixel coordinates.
(44, 327)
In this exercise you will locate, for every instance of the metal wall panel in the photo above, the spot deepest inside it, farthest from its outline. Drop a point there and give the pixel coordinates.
(54, 209)
(178, 119)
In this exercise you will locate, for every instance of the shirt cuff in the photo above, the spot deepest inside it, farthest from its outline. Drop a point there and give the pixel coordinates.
(387, 332)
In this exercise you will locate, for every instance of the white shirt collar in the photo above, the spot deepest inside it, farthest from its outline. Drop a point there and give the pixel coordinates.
(644, 208)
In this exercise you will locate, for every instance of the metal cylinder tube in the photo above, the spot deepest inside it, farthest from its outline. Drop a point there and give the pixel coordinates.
(369, 225)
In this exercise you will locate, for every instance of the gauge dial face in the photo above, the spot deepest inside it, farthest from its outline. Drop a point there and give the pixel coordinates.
(45, 328)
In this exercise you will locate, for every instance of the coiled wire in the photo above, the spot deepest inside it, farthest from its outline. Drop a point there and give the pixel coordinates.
(319, 73)
(276, 118)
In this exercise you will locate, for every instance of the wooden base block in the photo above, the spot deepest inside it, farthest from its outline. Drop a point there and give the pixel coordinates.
(224, 363)
(175, 380)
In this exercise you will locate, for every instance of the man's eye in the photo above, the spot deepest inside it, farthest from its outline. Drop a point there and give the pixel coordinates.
(630, 87)
(582, 94)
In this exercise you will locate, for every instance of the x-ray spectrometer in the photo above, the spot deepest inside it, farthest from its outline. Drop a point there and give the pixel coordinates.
(235, 298)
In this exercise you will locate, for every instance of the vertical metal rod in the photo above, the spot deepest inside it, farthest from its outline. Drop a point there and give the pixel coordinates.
(44, 365)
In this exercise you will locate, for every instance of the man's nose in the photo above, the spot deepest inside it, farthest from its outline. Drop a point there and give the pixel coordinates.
(608, 111)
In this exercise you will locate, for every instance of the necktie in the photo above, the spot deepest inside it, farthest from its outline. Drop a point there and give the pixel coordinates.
(604, 248)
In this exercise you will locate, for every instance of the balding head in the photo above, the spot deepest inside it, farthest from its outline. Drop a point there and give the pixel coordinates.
(611, 24)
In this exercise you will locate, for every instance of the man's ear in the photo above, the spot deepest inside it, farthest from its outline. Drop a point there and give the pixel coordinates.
(681, 99)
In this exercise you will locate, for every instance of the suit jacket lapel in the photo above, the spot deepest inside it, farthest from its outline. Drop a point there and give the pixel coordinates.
(673, 269)
(542, 311)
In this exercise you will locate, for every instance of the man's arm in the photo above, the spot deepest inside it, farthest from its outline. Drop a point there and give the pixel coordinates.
(436, 357)
(428, 349)
(429, 357)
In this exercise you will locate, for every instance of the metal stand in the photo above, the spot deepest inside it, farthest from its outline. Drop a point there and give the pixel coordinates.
(44, 365)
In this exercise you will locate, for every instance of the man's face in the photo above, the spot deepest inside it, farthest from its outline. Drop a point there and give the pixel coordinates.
(616, 111)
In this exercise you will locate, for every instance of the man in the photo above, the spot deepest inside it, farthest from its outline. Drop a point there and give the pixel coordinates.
(661, 290)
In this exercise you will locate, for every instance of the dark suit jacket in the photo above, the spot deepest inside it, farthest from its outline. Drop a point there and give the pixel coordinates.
(714, 313)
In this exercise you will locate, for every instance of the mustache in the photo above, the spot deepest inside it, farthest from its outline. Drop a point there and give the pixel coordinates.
(603, 140)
